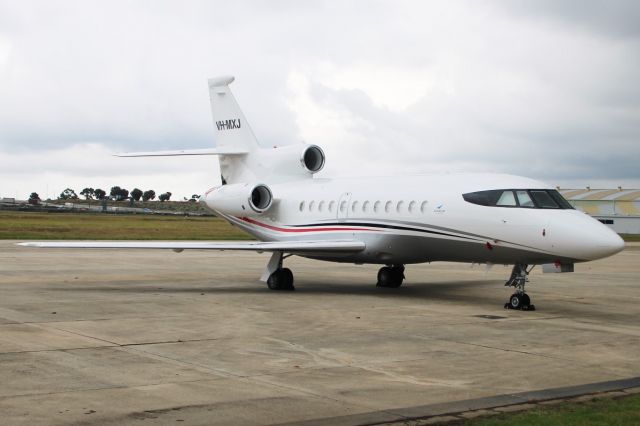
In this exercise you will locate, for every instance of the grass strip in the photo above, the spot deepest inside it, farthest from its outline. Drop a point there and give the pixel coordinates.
(605, 411)
(88, 226)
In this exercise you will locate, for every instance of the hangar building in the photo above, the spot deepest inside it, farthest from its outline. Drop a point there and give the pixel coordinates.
(618, 208)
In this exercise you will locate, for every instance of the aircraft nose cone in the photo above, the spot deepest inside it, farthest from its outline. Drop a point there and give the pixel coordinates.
(582, 237)
(608, 245)
(602, 241)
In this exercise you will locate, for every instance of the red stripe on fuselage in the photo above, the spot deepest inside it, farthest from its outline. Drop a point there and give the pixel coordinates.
(325, 229)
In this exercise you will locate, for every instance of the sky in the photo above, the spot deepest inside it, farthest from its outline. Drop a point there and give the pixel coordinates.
(543, 89)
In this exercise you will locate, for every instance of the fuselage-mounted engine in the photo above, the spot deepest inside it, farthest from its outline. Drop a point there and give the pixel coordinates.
(312, 158)
(240, 199)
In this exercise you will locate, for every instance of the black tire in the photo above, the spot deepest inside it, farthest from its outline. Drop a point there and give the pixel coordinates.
(287, 279)
(390, 277)
(385, 275)
(526, 301)
(515, 301)
(282, 279)
(273, 282)
(397, 275)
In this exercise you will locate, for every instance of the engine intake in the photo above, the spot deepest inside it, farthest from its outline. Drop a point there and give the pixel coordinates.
(312, 158)
(261, 198)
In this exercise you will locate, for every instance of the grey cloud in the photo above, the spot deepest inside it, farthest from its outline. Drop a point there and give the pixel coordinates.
(616, 18)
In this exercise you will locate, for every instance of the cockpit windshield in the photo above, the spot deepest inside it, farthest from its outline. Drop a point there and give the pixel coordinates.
(523, 198)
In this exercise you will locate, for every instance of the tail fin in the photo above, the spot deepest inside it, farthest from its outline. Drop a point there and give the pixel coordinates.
(232, 131)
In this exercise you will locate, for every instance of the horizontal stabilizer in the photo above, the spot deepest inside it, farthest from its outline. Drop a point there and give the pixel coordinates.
(292, 246)
(207, 151)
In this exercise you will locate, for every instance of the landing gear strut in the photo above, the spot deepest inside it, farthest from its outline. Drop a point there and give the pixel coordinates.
(277, 277)
(391, 276)
(519, 300)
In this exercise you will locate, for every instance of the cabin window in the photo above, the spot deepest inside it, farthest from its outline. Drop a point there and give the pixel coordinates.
(354, 206)
(343, 206)
(376, 206)
(400, 206)
(365, 206)
(311, 205)
(423, 207)
(387, 207)
(412, 207)
(321, 206)
(301, 205)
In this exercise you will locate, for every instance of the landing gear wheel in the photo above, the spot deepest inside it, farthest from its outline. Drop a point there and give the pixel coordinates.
(390, 276)
(520, 302)
(281, 279)
(515, 302)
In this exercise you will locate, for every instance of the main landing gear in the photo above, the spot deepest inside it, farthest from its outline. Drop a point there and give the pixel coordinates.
(519, 300)
(281, 279)
(391, 276)
(277, 277)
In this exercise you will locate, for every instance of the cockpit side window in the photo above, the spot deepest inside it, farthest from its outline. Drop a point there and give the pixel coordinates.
(543, 200)
(507, 199)
(562, 202)
(523, 198)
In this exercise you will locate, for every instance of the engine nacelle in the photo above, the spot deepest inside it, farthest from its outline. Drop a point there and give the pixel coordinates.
(241, 199)
(290, 162)
(312, 158)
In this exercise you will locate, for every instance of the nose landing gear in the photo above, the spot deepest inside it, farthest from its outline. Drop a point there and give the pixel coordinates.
(391, 276)
(519, 300)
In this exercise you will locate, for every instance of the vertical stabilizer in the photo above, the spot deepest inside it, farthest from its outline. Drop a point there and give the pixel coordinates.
(230, 125)
(232, 131)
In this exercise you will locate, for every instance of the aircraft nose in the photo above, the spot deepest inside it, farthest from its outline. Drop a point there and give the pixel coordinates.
(607, 244)
(582, 237)
(602, 241)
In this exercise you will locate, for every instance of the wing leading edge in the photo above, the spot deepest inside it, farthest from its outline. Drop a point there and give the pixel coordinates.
(293, 246)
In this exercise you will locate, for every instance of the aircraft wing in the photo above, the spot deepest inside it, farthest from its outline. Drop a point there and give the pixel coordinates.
(291, 247)
(206, 151)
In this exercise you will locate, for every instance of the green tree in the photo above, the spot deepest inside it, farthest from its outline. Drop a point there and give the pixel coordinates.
(68, 194)
(99, 194)
(149, 195)
(136, 194)
(165, 197)
(194, 198)
(34, 198)
(115, 192)
(118, 193)
(88, 193)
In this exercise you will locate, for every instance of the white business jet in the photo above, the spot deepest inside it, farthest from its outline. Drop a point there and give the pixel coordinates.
(393, 221)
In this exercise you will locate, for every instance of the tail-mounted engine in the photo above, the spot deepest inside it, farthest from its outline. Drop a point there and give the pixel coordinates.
(241, 199)
(312, 158)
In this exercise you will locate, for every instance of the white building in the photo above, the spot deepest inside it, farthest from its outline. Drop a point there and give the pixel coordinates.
(618, 208)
